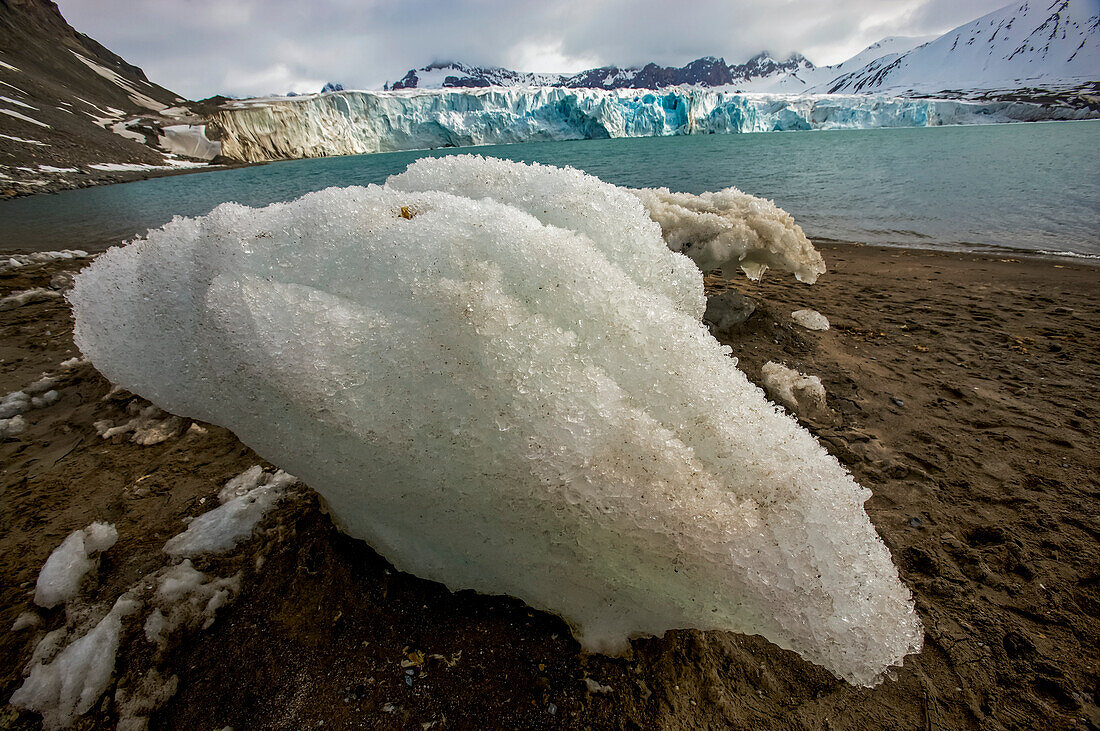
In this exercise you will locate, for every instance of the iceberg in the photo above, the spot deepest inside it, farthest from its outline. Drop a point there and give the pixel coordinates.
(358, 122)
(495, 374)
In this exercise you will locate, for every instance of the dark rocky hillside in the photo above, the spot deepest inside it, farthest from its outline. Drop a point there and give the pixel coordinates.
(67, 102)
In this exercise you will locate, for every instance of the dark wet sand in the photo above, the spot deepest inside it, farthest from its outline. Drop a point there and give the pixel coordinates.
(985, 489)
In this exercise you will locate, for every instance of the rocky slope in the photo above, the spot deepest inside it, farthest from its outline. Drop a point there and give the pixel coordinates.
(801, 80)
(72, 113)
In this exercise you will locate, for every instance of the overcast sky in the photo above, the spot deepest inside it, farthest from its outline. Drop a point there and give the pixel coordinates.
(199, 48)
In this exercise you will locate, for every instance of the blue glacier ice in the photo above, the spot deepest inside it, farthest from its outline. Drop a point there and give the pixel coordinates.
(357, 122)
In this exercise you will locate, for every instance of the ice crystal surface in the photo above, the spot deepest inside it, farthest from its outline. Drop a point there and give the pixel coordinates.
(729, 229)
(496, 375)
(801, 393)
(69, 684)
(810, 319)
(64, 570)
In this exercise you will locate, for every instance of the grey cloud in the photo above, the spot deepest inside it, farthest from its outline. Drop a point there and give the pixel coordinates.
(250, 47)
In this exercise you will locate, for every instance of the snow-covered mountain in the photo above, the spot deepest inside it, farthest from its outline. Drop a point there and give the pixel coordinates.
(1051, 45)
(706, 71)
(803, 79)
(451, 74)
(1047, 44)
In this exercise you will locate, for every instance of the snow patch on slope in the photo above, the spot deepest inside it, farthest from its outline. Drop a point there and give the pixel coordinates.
(23, 117)
(136, 96)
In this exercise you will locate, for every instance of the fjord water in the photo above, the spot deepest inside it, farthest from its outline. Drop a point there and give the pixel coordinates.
(1010, 187)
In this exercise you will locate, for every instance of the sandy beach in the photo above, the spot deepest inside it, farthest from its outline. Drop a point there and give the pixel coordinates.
(961, 391)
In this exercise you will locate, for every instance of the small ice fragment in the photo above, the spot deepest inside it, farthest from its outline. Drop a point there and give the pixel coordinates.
(729, 228)
(14, 404)
(149, 425)
(26, 297)
(186, 597)
(810, 319)
(594, 686)
(42, 385)
(800, 393)
(12, 426)
(72, 682)
(66, 567)
(46, 399)
(245, 500)
(25, 620)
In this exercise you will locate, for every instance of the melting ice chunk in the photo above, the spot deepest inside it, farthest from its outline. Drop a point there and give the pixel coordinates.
(729, 229)
(507, 398)
(64, 570)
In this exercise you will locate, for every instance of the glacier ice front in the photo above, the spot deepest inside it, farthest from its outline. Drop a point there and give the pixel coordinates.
(506, 387)
(357, 122)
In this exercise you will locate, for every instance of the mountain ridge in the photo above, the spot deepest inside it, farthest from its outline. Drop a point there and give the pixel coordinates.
(73, 113)
(1051, 45)
(1025, 44)
(704, 71)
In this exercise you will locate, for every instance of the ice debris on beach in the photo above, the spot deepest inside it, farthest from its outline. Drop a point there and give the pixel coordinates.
(27, 297)
(66, 567)
(506, 387)
(25, 620)
(244, 501)
(186, 597)
(65, 685)
(810, 319)
(12, 426)
(37, 395)
(729, 228)
(137, 704)
(147, 426)
(14, 261)
(800, 393)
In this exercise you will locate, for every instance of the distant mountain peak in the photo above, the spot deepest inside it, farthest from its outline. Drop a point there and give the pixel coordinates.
(1051, 44)
(703, 71)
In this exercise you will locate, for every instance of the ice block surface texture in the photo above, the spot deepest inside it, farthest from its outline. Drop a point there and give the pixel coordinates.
(496, 392)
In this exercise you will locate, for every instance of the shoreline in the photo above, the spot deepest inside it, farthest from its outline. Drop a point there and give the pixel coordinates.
(1060, 260)
(959, 391)
(104, 178)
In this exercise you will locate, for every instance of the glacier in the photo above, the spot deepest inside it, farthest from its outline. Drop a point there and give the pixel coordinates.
(495, 374)
(359, 122)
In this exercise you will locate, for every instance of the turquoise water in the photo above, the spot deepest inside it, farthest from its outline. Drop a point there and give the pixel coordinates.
(1027, 187)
